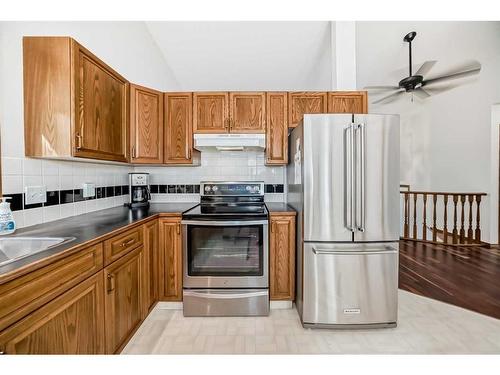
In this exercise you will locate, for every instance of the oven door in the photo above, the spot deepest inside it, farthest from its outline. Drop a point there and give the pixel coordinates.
(225, 254)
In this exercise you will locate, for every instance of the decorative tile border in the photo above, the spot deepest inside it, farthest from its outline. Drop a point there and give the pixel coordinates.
(56, 197)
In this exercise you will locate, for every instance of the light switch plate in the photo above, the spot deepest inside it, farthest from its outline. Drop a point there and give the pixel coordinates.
(35, 194)
(88, 190)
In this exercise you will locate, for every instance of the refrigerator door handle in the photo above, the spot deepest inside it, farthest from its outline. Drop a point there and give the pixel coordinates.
(360, 191)
(333, 252)
(349, 177)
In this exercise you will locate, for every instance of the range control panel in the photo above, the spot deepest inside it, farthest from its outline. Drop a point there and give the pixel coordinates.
(232, 188)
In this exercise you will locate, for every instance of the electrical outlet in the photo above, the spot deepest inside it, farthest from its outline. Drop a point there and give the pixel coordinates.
(35, 194)
(88, 190)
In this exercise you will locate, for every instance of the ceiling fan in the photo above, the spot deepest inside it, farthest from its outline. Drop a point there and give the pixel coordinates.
(415, 83)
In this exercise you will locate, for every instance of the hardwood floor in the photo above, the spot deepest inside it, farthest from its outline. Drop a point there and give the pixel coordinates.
(468, 277)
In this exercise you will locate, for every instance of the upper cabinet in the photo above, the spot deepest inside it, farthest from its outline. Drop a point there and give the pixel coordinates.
(348, 102)
(146, 125)
(305, 102)
(276, 128)
(178, 128)
(247, 112)
(210, 112)
(74, 104)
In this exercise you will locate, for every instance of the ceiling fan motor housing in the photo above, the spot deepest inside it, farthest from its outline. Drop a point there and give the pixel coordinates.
(411, 83)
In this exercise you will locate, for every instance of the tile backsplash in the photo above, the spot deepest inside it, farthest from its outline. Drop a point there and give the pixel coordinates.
(63, 181)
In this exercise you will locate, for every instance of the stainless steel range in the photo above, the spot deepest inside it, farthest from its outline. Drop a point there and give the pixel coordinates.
(226, 253)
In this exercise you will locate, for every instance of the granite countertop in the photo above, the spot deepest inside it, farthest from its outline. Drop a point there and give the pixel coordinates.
(87, 227)
(279, 207)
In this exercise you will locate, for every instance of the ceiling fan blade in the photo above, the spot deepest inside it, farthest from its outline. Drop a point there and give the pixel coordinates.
(421, 93)
(381, 88)
(467, 71)
(434, 90)
(425, 68)
(389, 98)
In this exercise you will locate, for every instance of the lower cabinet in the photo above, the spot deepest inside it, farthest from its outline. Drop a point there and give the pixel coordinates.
(150, 265)
(72, 323)
(170, 259)
(282, 257)
(123, 305)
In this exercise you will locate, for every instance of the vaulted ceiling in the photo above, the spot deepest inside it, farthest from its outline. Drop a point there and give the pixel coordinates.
(246, 55)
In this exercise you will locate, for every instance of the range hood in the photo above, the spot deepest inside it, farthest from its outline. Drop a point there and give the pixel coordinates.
(230, 142)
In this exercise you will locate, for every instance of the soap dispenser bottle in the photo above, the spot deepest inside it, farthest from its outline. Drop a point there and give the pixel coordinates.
(7, 223)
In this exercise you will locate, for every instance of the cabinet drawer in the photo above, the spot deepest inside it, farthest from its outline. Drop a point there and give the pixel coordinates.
(121, 244)
(23, 295)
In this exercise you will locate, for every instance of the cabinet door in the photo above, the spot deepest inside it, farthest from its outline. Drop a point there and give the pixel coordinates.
(276, 128)
(123, 302)
(101, 116)
(348, 102)
(73, 323)
(170, 250)
(150, 265)
(146, 125)
(282, 258)
(178, 128)
(247, 112)
(305, 102)
(211, 112)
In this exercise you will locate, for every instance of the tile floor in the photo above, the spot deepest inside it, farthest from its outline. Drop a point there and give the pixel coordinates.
(425, 326)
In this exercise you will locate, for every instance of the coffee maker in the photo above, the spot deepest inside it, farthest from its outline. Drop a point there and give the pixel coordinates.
(138, 187)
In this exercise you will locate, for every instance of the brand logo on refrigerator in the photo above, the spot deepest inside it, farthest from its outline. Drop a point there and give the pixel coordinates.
(352, 311)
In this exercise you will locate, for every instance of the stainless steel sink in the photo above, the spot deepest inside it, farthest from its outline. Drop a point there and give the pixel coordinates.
(15, 248)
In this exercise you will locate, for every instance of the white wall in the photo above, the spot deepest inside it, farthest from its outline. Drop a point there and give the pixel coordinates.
(127, 47)
(247, 56)
(445, 139)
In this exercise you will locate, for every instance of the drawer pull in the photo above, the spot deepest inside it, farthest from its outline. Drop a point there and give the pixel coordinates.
(127, 243)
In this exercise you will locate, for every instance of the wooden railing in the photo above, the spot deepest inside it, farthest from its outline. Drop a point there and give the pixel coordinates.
(442, 217)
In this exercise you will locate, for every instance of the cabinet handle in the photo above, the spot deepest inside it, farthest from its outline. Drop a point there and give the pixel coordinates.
(78, 141)
(226, 124)
(133, 152)
(189, 153)
(272, 227)
(129, 242)
(111, 283)
(178, 229)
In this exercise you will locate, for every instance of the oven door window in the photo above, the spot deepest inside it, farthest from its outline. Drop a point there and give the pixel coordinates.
(225, 250)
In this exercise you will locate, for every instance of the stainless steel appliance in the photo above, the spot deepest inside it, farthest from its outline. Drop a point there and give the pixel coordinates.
(138, 187)
(343, 180)
(225, 242)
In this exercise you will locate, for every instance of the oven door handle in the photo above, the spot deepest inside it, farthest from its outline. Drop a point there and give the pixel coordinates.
(209, 223)
(224, 295)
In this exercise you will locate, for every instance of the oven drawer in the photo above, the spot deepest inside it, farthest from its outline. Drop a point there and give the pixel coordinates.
(228, 302)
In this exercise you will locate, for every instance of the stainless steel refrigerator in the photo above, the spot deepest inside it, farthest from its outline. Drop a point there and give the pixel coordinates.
(343, 180)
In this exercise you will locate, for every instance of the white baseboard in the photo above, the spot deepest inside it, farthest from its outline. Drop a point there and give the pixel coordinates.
(281, 305)
(169, 305)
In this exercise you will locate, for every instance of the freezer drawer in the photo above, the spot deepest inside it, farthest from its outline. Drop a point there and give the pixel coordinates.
(350, 284)
(225, 302)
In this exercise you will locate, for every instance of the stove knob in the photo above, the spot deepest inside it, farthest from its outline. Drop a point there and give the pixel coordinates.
(248, 188)
(215, 188)
(207, 188)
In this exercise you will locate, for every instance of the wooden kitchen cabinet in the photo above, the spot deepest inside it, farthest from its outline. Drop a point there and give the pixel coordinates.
(123, 301)
(282, 256)
(211, 112)
(276, 128)
(146, 125)
(305, 102)
(179, 127)
(348, 102)
(247, 112)
(170, 259)
(73, 323)
(150, 265)
(74, 104)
